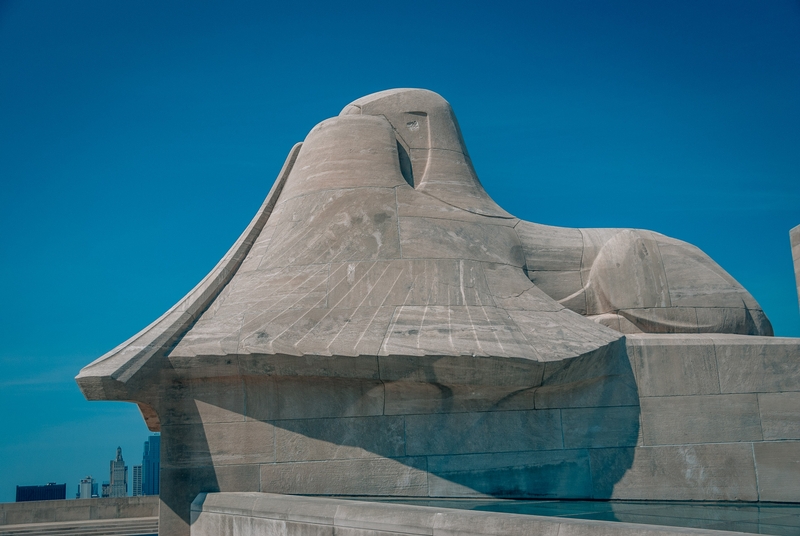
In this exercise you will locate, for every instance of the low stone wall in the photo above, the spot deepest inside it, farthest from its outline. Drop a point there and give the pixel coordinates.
(720, 419)
(78, 510)
(254, 514)
(660, 417)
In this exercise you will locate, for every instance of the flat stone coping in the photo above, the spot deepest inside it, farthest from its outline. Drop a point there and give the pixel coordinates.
(138, 526)
(450, 517)
(746, 517)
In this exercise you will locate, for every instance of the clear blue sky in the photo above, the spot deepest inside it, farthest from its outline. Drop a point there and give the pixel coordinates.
(138, 138)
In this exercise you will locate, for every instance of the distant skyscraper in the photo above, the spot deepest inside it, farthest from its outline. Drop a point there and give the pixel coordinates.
(151, 465)
(106, 490)
(87, 488)
(119, 476)
(49, 492)
(137, 480)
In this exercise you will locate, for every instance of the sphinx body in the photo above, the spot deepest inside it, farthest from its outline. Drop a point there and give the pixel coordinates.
(379, 293)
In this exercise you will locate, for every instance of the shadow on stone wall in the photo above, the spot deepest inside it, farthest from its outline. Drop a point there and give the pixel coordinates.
(417, 434)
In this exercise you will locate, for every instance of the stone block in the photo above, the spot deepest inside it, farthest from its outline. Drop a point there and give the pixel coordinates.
(600, 427)
(558, 285)
(385, 518)
(457, 330)
(778, 468)
(717, 472)
(408, 398)
(464, 370)
(201, 400)
(603, 391)
(695, 280)
(371, 476)
(662, 319)
(279, 398)
(679, 420)
(346, 152)
(411, 204)
(780, 415)
(669, 366)
(332, 439)
(495, 431)
(468, 523)
(757, 364)
(554, 473)
(219, 444)
(549, 248)
(237, 477)
(426, 238)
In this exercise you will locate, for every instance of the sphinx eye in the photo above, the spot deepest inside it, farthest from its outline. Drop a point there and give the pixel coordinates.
(413, 126)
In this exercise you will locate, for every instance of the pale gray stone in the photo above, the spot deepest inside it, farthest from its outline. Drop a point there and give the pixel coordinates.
(683, 420)
(600, 427)
(382, 313)
(757, 364)
(408, 398)
(495, 431)
(721, 472)
(780, 415)
(333, 439)
(271, 399)
(369, 476)
(542, 473)
(778, 467)
(668, 366)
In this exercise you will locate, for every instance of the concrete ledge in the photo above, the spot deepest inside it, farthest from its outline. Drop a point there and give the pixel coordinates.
(78, 510)
(249, 514)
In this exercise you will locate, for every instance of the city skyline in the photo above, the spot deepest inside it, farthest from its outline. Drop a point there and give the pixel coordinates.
(138, 140)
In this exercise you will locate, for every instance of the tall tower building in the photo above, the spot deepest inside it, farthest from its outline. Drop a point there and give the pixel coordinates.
(151, 465)
(119, 476)
(87, 488)
(137, 480)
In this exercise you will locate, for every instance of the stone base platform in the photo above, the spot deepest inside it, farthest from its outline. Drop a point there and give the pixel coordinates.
(251, 514)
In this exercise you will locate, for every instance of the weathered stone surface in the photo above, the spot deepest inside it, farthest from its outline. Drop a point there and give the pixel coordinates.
(600, 427)
(779, 415)
(684, 420)
(369, 476)
(383, 327)
(98, 509)
(495, 431)
(757, 364)
(778, 466)
(229, 514)
(343, 438)
(408, 398)
(544, 473)
(668, 366)
(721, 472)
(279, 398)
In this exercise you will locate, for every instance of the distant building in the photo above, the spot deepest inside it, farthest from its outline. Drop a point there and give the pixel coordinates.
(106, 490)
(48, 492)
(151, 465)
(137, 480)
(119, 476)
(87, 488)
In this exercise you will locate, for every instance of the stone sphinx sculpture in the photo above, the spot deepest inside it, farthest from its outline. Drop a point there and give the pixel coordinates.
(383, 327)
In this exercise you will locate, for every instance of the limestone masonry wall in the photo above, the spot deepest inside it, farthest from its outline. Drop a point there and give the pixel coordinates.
(78, 510)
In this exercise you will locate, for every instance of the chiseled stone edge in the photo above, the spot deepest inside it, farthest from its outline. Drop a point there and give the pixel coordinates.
(104, 378)
(213, 513)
